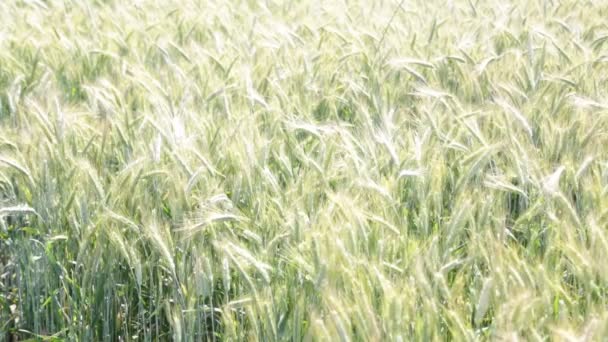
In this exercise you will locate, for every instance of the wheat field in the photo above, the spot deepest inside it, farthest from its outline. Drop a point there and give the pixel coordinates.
(348, 170)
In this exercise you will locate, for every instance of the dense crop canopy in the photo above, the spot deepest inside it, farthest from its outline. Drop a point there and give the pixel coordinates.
(303, 170)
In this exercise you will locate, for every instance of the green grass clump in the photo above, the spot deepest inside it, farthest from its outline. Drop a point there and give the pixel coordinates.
(303, 170)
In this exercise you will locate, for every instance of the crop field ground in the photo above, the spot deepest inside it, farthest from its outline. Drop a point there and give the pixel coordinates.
(348, 170)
